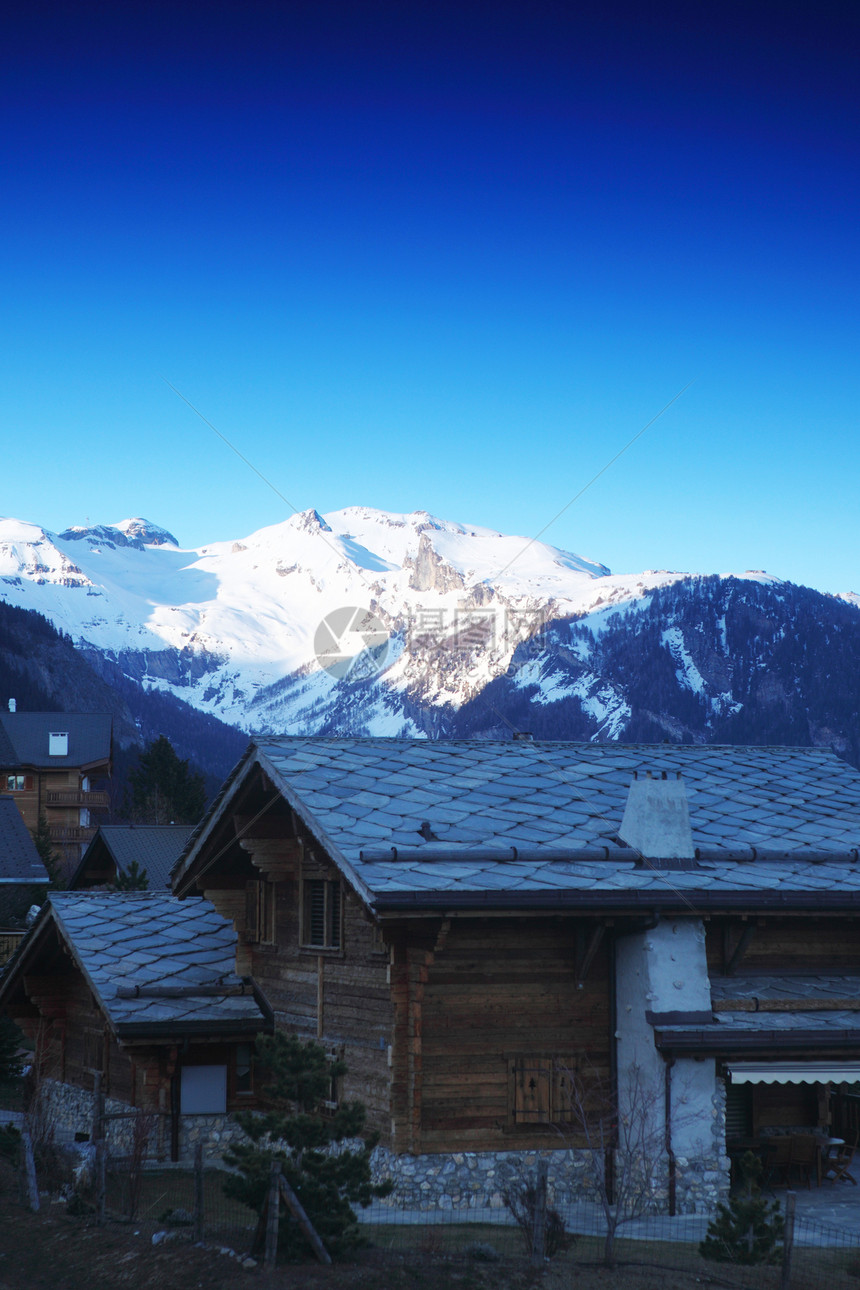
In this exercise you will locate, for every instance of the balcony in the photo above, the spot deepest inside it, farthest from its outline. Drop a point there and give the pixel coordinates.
(95, 799)
(73, 834)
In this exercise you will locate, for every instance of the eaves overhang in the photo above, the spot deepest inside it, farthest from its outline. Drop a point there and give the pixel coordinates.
(684, 901)
(714, 1040)
(161, 1030)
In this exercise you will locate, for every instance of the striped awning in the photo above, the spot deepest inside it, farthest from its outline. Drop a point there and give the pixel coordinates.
(794, 1072)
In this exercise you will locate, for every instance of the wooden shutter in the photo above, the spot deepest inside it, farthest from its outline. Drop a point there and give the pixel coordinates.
(533, 1090)
(334, 915)
(315, 911)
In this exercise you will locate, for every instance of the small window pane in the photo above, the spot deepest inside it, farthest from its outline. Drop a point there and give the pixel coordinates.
(243, 1068)
(204, 1090)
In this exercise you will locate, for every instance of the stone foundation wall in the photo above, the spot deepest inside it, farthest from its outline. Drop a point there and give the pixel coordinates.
(465, 1180)
(476, 1179)
(702, 1183)
(69, 1110)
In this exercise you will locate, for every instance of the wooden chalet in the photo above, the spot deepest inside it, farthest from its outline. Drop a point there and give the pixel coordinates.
(115, 848)
(469, 922)
(22, 874)
(57, 765)
(138, 992)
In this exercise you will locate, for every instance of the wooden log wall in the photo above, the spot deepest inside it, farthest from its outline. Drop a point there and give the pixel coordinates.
(74, 1036)
(338, 996)
(487, 993)
(775, 945)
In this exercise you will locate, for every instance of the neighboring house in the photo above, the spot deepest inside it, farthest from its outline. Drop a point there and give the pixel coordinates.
(138, 989)
(50, 763)
(470, 922)
(21, 872)
(115, 847)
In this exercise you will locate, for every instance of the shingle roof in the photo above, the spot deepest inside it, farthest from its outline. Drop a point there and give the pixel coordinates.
(161, 946)
(540, 820)
(155, 847)
(26, 734)
(19, 859)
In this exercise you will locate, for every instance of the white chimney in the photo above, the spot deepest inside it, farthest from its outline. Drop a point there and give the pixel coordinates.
(12, 705)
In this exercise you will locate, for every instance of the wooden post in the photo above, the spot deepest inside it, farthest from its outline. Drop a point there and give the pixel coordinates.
(101, 1179)
(274, 1204)
(98, 1128)
(539, 1231)
(28, 1166)
(297, 1209)
(788, 1239)
(198, 1192)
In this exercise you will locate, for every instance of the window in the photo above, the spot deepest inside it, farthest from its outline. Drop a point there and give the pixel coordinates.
(321, 914)
(244, 1069)
(260, 912)
(58, 743)
(539, 1091)
(203, 1090)
(19, 783)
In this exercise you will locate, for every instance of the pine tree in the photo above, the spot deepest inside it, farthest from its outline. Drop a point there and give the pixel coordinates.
(11, 1040)
(325, 1158)
(136, 879)
(749, 1229)
(42, 838)
(164, 789)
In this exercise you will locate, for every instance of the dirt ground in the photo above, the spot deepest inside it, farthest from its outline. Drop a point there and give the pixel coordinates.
(52, 1250)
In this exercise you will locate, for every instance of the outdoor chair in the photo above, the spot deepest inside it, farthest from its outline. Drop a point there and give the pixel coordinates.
(836, 1166)
(777, 1155)
(804, 1157)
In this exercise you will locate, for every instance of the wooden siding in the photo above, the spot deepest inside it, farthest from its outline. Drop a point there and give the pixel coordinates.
(487, 994)
(782, 944)
(340, 996)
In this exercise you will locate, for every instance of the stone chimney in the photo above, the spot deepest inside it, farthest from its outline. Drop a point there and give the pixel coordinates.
(657, 821)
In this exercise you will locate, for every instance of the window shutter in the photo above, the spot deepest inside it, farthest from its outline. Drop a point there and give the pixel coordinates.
(316, 911)
(532, 1090)
(334, 915)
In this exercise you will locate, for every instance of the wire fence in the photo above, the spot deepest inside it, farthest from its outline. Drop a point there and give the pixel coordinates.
(177, 1203)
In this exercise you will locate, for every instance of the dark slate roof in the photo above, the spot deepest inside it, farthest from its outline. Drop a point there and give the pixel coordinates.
(160, 944)
(155, 847)
(537, 822)
(808, 987)
(19, 859)
(24, 739)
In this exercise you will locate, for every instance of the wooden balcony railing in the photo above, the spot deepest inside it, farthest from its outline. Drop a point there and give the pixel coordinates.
(73, 833)
(96, 799)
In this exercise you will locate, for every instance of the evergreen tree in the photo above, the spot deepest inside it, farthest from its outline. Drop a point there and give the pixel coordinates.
(749, 1229)
(164, 789)
(328, 1181)
(11, 1040)
(135, 880)
(42, 837)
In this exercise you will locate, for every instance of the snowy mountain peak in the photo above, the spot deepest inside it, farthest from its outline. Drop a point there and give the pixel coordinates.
(146, 532)
(135, 532)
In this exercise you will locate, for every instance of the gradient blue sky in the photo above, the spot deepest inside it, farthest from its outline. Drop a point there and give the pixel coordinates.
(449, 257)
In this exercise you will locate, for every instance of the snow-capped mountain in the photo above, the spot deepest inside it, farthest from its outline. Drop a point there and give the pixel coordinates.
(368, 622)
(232, 627)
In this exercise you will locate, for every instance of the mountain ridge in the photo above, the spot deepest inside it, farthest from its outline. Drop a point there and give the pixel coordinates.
(462, 616)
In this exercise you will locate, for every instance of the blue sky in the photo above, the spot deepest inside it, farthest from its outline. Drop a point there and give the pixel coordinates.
(442, 257)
